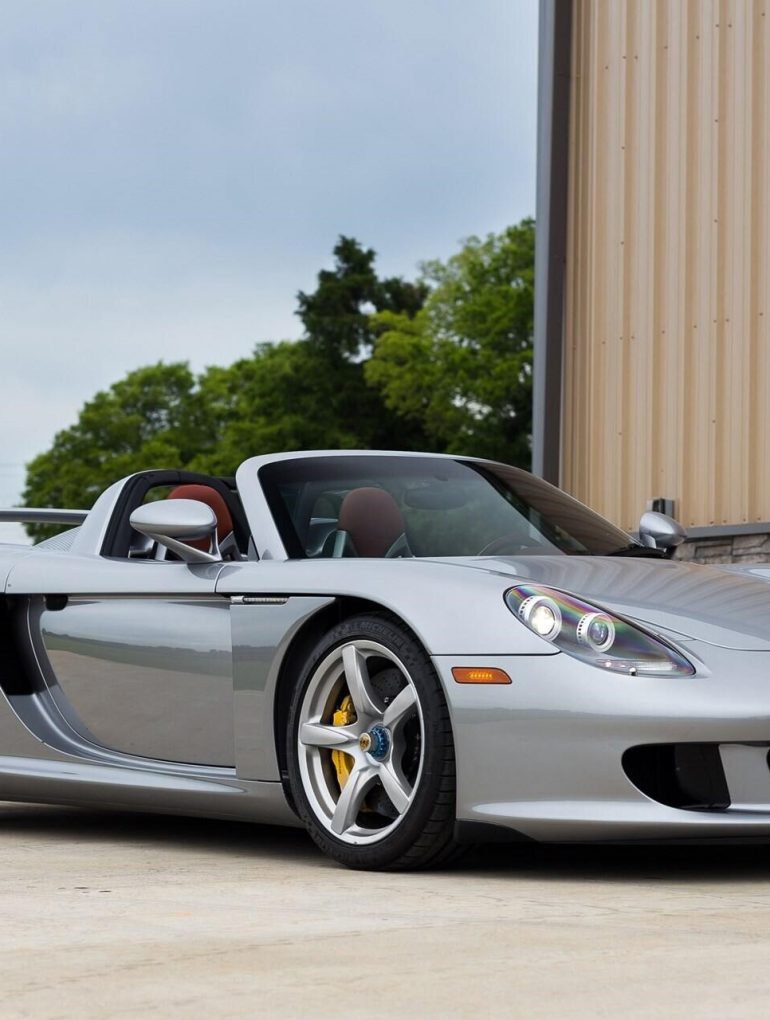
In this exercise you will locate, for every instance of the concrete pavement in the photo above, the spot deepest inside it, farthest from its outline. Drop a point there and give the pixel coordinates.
(117, 916)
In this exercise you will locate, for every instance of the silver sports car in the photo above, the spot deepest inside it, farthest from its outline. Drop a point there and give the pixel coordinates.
(406, 653)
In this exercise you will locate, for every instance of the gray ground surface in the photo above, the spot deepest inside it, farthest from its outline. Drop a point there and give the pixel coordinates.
(117, 916)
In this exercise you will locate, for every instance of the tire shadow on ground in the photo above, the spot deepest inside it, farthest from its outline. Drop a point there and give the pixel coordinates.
(177, 832)
(710, 863)
(673, 862)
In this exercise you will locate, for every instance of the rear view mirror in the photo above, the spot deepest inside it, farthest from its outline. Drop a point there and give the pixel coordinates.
(175, 522)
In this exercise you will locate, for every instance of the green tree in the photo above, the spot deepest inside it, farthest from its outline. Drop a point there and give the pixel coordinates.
(285, 397)
(313, 393)
(336, 316)
(306, 394)
(461, 366)
(441, 364)
(152, 417)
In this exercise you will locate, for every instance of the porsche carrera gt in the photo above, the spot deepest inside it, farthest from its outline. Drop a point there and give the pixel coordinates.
(405, 653)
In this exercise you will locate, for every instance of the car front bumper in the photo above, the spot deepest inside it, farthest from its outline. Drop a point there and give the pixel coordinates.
(547, 756)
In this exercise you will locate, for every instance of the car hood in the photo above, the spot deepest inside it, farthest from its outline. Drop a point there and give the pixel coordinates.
(700, 602)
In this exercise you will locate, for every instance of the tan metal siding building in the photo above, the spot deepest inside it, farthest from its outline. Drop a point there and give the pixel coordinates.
(657, 329)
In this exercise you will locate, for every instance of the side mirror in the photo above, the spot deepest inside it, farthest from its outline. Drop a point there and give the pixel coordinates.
(659, 531)
(174, 522)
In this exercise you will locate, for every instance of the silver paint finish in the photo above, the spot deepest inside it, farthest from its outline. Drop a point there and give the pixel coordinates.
(659, 531)
(44, 712)
(683, 599)
(9, 556)
(71, 573)
(177, 518)
(450, 608)
(456, 605)
(92, 532)
(174, 522)
(261, 634)
(149, 677)
(65, 782)
(542, 755)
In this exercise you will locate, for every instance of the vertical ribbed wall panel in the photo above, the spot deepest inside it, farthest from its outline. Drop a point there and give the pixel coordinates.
(667, 350)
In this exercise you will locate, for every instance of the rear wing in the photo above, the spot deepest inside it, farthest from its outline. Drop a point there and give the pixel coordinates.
(31, 515)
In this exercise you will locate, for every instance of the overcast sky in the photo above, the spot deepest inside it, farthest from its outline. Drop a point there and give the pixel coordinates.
(174, 171)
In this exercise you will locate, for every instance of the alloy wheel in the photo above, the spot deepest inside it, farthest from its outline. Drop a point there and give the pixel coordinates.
(360, 742)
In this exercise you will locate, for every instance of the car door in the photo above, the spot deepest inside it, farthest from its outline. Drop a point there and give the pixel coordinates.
(136, 655)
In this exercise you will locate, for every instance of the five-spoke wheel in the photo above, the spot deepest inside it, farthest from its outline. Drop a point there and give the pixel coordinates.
(371, 761)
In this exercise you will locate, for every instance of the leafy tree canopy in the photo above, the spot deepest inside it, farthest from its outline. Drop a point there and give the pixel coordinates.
(440, 364)
(149, 418)
(336, 316)
(461, 366)
(307, 394)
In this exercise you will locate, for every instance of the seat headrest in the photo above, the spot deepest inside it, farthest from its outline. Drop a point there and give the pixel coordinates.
(372, 519)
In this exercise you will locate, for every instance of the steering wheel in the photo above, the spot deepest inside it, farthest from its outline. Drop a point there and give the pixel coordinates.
(502, 544)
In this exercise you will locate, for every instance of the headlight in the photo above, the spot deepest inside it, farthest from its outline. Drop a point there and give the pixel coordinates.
(593, 635)
(541, 614)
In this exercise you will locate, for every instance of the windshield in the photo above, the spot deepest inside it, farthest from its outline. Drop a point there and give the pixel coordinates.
(390, 506)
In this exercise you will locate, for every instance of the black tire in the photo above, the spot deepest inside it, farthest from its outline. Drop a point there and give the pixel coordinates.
(423, 834)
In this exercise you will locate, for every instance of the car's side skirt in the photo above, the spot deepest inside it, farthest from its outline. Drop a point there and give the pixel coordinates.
(85, 784)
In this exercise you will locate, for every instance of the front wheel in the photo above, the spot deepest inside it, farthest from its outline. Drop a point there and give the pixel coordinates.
(370, 753)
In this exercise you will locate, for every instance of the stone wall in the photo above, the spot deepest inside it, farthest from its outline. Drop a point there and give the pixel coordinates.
(726, 549)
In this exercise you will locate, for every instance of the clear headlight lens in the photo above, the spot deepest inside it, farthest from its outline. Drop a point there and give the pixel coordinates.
(541, 614)
(593, 635)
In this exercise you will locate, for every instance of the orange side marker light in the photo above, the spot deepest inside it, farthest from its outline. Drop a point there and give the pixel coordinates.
(479, 675)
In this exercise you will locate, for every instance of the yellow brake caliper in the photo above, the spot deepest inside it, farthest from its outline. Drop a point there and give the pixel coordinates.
(343, 763)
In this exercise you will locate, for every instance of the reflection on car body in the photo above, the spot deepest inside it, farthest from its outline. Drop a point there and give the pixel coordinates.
(406, 653)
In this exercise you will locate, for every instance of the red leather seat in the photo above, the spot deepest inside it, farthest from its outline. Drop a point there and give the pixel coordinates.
(206, 494)
(372, 519)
